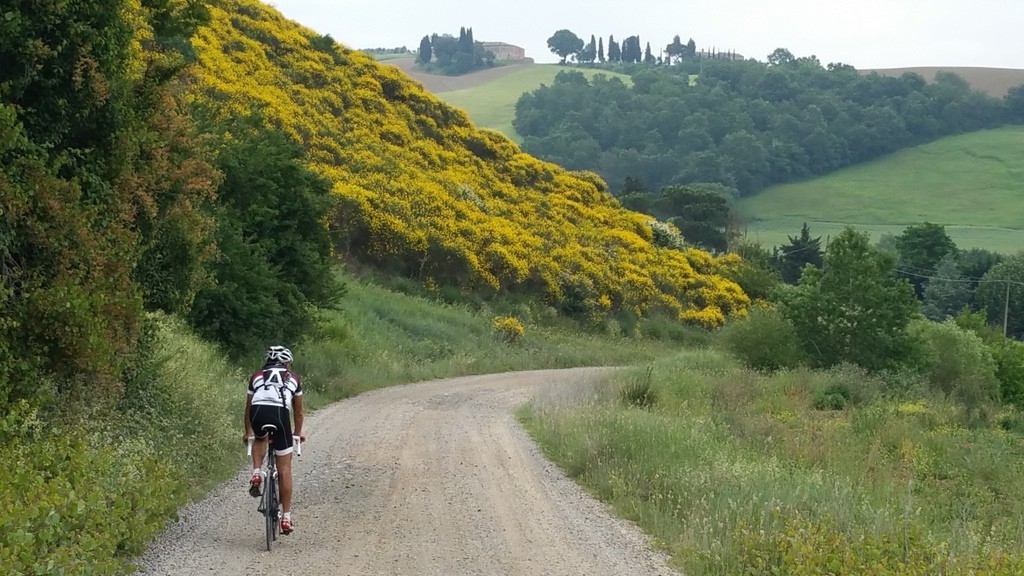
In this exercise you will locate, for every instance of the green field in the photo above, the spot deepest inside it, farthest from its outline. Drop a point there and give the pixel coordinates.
(492, 104)
(973, 184)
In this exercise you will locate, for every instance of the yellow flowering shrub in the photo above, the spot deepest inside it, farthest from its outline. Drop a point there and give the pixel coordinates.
(426, 194)
(507, 329)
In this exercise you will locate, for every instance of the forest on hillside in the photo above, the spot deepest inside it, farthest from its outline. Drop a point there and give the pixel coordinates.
(744, 124)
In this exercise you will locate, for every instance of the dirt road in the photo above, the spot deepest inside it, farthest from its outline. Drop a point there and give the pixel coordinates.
(431, 478)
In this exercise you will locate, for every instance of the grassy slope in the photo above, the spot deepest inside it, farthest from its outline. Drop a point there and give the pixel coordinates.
(973, 184)
(492, 104)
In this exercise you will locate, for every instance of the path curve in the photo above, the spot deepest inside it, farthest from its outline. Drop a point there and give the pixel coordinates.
(429, 478)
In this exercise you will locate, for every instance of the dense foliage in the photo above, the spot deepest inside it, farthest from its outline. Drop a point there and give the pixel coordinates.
(744, 124)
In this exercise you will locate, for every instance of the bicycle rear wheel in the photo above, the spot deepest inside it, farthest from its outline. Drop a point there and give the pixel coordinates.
(270, 507)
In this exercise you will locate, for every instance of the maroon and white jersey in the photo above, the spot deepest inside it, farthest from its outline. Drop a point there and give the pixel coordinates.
(274, 385)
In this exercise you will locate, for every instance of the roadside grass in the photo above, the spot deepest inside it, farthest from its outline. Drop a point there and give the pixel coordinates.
(971, 183)
(492, 104)
(380, 337)
(736, 472)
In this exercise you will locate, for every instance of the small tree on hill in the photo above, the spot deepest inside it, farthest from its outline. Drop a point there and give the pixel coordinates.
(425, 53)
(920, 249)
(675, 50)
(614, 52)
(801, 251)
(564, 44)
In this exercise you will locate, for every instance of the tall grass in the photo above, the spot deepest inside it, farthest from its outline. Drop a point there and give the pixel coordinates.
(736, 472)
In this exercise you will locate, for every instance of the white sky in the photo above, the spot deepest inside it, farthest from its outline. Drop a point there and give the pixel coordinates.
(863, 33)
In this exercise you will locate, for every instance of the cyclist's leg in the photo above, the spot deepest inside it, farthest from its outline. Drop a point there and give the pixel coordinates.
(258, 416)
(284, 474)
(283, 446)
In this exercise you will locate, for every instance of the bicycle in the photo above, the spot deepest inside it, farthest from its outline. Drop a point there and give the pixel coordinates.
(270, 504)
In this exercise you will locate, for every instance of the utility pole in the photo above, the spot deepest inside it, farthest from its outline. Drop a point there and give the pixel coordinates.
(1006, 307)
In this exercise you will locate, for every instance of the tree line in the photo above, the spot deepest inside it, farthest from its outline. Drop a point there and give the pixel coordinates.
(566, 44)
(446, 54)
(745, 124)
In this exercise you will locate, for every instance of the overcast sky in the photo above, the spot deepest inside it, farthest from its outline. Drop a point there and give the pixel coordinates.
(863, 33)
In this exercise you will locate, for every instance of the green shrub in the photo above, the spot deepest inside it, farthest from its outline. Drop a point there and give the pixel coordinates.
(958, 363)
(764, 340)
(87, 498)
(1009, 357)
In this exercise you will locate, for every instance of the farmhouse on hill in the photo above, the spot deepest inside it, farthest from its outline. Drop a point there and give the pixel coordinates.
(505, 51)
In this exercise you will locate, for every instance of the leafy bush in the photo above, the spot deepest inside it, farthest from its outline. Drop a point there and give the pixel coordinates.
(764, 340)
(1009, 357)
(87, 497)
(957, 363)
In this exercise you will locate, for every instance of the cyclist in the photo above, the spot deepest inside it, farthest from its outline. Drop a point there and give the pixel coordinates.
(274, 396)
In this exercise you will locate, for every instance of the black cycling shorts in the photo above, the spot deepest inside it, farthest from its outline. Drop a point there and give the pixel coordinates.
(261, 414)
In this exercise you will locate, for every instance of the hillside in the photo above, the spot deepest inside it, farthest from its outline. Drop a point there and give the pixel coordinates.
(425, 194)
(490, 96)
(993, 81)
(972, 183)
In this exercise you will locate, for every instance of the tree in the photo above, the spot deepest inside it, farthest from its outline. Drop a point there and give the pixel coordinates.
(564, 44)
(77, 98)
(801, 251)
(614, 52)
(676, 50)
(974, 263)
(600, 50)
(631, 50)
(853, 309)
(275, 262)
(920, 249)
(589, 52)
(781, 57)
(1014, 101)
(701, 212)
(691, 49)
(947, 293)
(648, 55)
(1000, 294)
(424, 56)
(444, 48)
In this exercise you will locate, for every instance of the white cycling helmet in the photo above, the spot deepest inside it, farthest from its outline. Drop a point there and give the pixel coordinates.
(279, 354)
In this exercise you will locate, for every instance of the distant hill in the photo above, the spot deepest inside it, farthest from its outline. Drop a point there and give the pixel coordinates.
(490, 96)
(994, 81)
(972, 183)
(439, 83)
